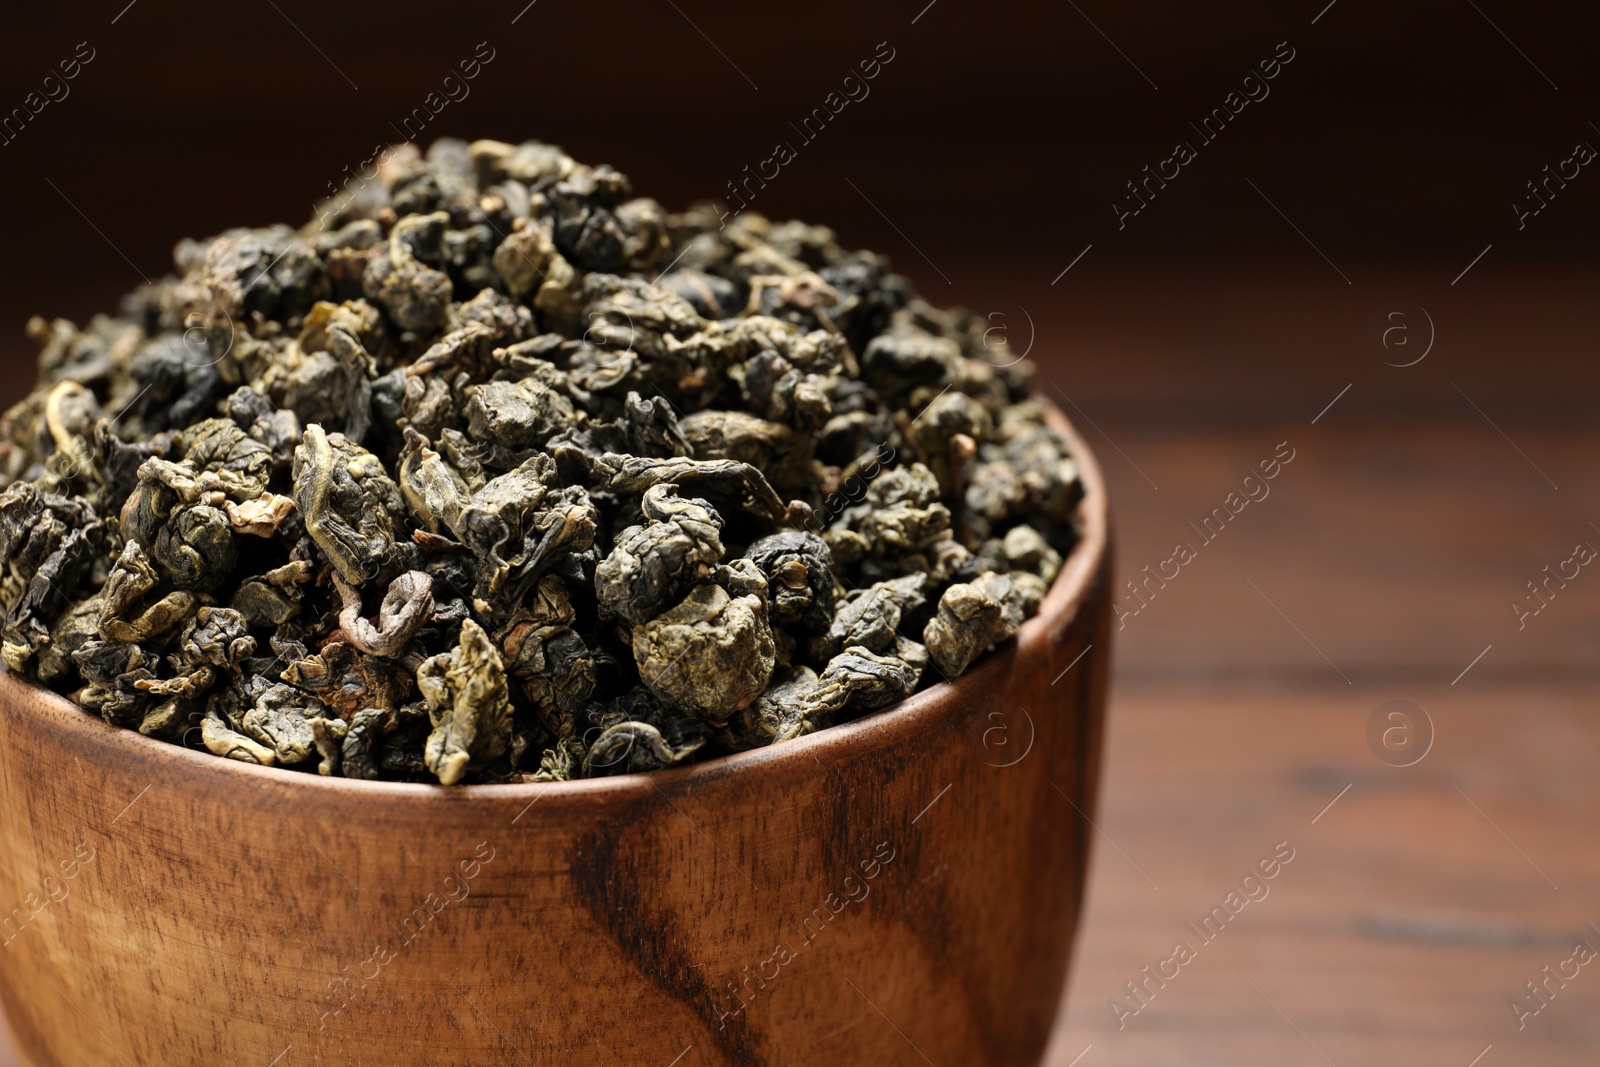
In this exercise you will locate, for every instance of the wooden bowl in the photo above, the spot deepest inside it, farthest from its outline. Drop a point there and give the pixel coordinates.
(900, 889)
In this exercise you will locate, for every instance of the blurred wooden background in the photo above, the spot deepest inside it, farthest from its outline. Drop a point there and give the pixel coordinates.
(1384, 562)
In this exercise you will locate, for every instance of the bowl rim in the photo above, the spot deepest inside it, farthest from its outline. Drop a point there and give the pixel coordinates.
(895, 723)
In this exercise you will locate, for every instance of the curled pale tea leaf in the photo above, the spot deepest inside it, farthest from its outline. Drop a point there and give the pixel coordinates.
(223, 741)
(281, 720)
(469, 704)
(405, 608)
(260, 516)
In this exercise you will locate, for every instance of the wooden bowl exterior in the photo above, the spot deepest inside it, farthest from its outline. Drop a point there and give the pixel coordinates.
(901, 889)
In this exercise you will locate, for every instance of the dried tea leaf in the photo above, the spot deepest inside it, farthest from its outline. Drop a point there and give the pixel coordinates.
(226, 459)
(496, 472)
(632, 747)
(469, 705)
(401, 277)
(562, 762)
(195, 548)
(972, 617)
(260, 516)
(521, 414)
(349, 504)
(344, 679)
(281, 720)
(711, 655)
(111, 671)
(274, 597)
(792, 706)
(653, 565)
(48, 544)
(223, 741)
(872, 617)
(869, 680)
(358, 749)
(124, 613)
(714, 477)
(328, 735)
(521, 524)
(405, 608)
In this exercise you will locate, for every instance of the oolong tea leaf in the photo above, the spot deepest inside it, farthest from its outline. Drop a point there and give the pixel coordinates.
(496, 472)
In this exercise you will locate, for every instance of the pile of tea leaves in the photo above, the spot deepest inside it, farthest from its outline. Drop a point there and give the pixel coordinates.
(495, 472)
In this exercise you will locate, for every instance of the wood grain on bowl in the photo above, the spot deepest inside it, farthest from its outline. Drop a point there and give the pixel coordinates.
(900, 889)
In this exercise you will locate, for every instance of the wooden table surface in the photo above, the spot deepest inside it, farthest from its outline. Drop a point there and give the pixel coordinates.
(1382, 566)
(1383, 563)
